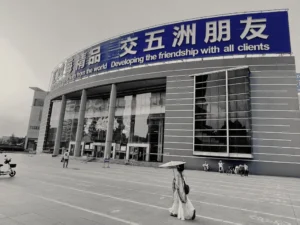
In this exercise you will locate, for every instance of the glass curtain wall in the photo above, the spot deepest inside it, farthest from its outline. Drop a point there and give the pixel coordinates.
(138, 125)
(70, 123)
(210, 113)
(239, 112)
(139, 121)
(96, 120)
(95, 125)
(211, 94)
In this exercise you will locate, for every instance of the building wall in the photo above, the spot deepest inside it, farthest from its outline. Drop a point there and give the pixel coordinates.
(43, 124)
(35, 117)
(275, 118)
(274, 101)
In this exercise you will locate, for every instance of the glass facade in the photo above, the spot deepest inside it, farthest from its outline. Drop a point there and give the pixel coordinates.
(239, 112)
(70, 123)
(95, 125)
(96, 120)
(138, 127)
(212, 114)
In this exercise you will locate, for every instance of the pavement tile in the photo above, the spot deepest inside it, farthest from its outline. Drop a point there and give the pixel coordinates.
(9, 221)
(33, 219)
(13, 211)
(224, 195)
(66, 216)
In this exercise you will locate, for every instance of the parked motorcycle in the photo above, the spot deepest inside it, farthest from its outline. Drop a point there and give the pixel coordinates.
(10, 171)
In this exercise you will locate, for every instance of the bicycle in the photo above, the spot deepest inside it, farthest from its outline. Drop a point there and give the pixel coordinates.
(230, 170)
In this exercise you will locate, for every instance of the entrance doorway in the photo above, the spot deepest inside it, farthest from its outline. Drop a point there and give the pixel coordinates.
(138, 152)
(72, 148)
(156, 139)
(99, 149)
(160, 145)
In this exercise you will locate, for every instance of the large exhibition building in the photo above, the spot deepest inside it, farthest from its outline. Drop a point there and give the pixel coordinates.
(207, 89)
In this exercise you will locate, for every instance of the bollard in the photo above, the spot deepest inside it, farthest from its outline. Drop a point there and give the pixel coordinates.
(106, 160)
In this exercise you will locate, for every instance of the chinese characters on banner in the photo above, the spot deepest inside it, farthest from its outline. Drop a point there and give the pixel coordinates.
(252, 33)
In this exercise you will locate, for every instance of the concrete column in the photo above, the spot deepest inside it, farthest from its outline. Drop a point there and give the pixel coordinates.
(26, 143)
(77, 150)
(127, 153)
(60, 125)
(114, 152)
(111, 118)
(148, 154)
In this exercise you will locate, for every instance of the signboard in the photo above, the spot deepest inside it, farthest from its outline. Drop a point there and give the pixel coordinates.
(249, 33)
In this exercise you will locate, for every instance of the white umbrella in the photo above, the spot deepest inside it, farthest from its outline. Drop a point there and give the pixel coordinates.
(172, 164)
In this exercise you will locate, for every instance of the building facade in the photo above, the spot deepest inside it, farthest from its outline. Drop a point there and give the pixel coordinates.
(35, 118)
(157, 95)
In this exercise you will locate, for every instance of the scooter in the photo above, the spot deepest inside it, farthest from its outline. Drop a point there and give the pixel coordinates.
(11, 172)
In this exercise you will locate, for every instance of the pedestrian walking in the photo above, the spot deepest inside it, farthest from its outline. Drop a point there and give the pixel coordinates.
(182, 207)
(66, 159)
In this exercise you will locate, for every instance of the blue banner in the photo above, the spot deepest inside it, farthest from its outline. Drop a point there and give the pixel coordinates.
(240, 34)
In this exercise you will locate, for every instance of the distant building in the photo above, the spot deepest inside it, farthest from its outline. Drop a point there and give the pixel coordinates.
(35, 118)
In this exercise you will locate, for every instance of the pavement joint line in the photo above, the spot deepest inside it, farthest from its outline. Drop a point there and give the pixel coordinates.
(198, 179)
(155, 185)
(227, 182)
(245, 188)
(85, 210)
(221, 185)
(209, 193)
(152, 172)
(203, 192)
(260, 189)
(294, 212)
(271, 180)
(147, 168)
(127, 200)
(202, 202)
(235, 187)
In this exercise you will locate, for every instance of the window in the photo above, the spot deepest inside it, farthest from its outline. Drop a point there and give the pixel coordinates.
(34, 127)
(38, 102)
(239, 112)
(40, 115)
(210, 118)
(222, 122)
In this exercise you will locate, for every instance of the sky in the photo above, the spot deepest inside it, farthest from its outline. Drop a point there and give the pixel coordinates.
(36, 35)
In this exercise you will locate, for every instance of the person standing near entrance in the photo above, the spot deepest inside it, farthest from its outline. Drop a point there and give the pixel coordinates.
(66, 159)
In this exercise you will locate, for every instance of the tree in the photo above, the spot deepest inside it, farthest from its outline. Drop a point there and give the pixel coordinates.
(12, 140)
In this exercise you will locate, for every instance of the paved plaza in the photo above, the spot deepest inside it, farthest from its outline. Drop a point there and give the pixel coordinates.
(43, 193)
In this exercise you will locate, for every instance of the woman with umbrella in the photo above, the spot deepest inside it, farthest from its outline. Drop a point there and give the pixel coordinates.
(182, 207)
